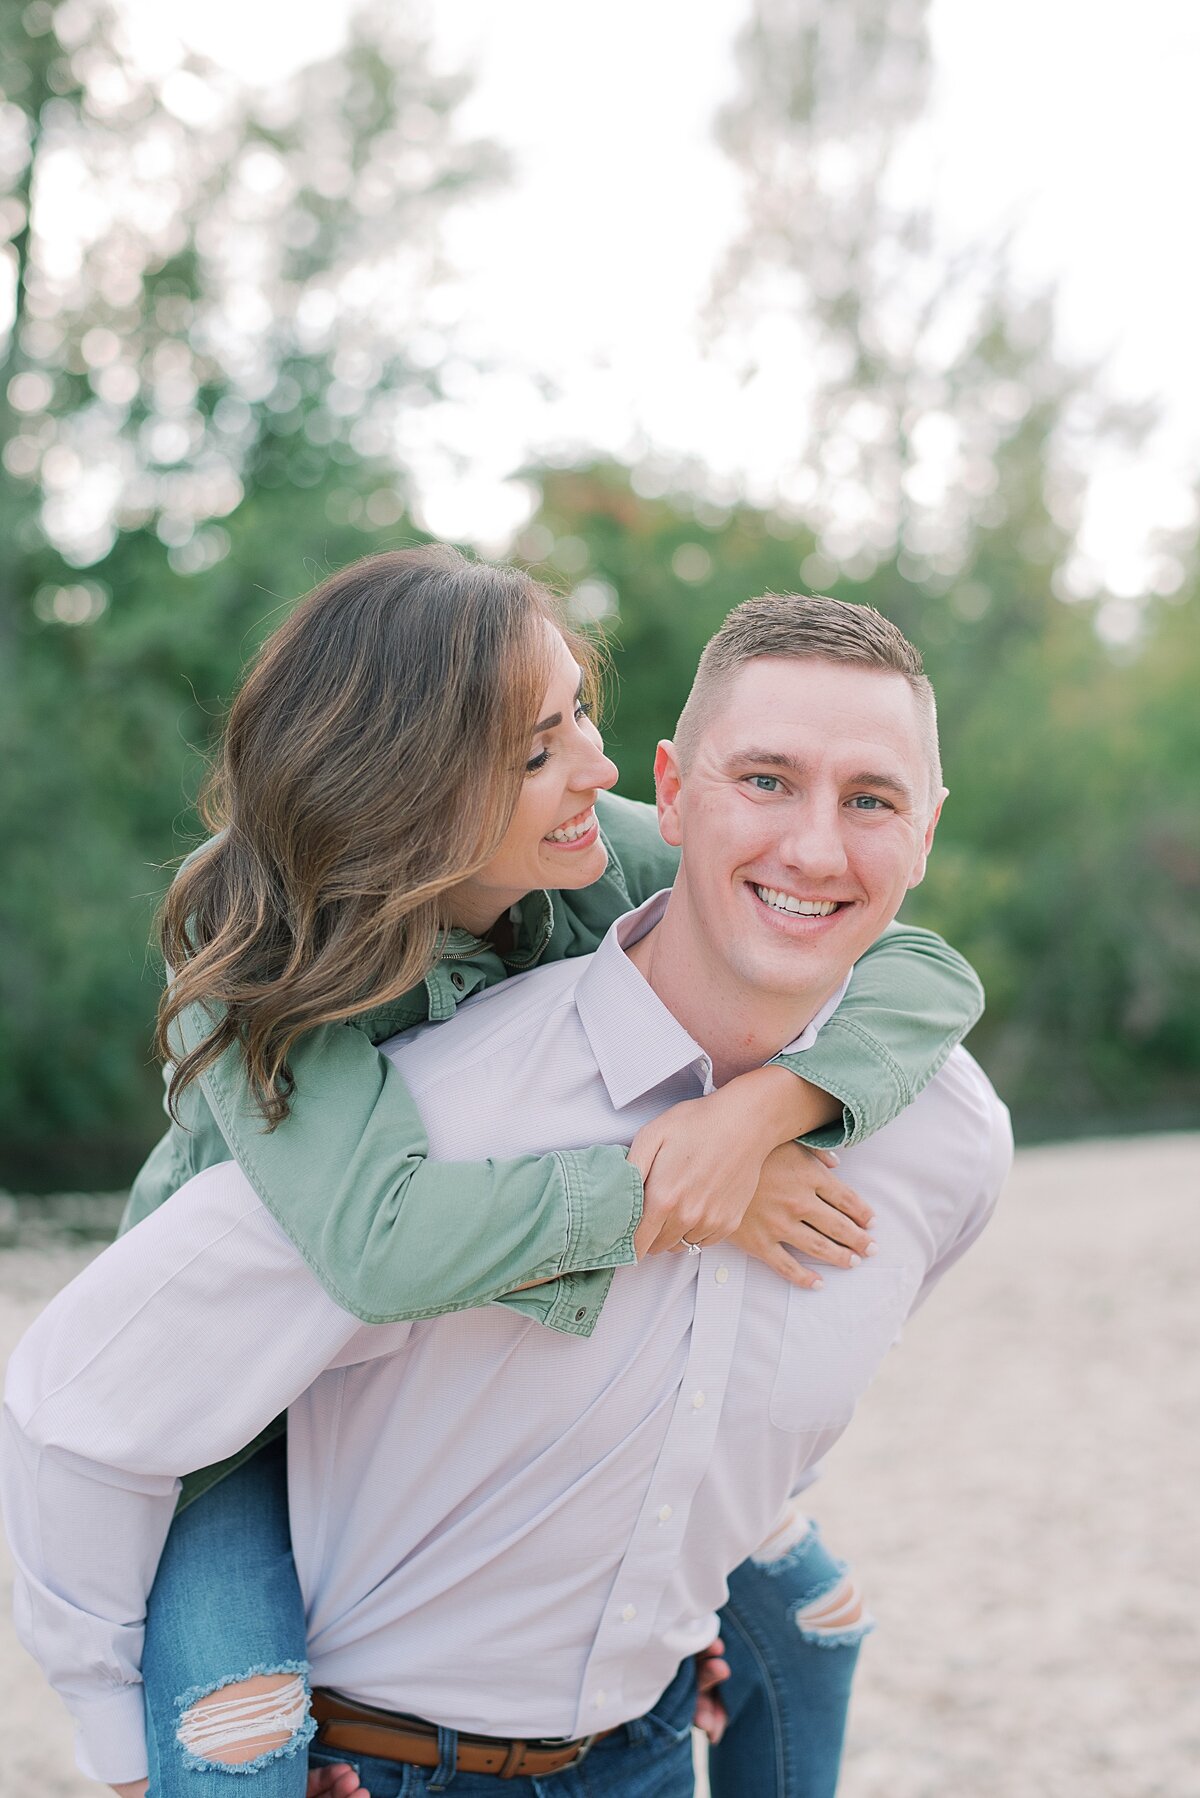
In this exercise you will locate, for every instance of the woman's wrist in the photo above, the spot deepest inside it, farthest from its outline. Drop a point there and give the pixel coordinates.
(777, 1105)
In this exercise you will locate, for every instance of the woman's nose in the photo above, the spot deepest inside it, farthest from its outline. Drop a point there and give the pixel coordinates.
(596, 770)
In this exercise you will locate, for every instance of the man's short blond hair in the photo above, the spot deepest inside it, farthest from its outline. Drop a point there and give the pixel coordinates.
(807, 627)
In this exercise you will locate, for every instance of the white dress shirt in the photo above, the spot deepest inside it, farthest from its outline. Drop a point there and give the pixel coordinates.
(496, 1527)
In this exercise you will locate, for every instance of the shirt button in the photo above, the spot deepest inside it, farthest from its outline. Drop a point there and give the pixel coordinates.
(665, 1513)
(697, 1401)
(721, 1275)
(629, 1613)
(599, 1699)
(581, 1314)
(457, 981)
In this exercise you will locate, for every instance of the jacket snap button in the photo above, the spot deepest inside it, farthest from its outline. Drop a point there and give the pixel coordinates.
(456, 980)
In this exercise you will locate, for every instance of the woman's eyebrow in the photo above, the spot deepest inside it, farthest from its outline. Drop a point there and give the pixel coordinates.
(555, 718)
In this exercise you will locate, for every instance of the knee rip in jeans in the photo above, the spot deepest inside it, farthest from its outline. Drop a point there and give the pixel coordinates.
(240, 1726)
(837, 1617)
(781, 1546)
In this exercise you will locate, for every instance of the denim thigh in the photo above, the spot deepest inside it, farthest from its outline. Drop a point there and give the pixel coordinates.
(225, 1605)
(648, 1758)
(789, 1687)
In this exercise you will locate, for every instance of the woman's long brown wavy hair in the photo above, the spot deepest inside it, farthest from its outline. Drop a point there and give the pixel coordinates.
(372, 760)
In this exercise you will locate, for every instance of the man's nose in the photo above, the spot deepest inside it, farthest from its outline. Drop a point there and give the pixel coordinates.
(814, 846)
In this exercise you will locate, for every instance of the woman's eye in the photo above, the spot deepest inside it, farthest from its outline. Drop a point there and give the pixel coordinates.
(583, 709)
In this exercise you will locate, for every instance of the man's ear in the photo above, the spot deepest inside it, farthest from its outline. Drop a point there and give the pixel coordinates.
(918, 873)
(668, 779)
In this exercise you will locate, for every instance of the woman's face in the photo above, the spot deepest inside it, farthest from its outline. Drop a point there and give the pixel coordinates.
(554, 839)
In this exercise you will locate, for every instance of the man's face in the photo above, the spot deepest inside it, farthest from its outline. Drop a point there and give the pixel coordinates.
(804, 816)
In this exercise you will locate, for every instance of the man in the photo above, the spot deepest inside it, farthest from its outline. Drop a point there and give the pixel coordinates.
(500, 1534)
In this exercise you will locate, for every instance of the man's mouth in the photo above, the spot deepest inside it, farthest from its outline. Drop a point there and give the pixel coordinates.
(574, 830)
(794, 907)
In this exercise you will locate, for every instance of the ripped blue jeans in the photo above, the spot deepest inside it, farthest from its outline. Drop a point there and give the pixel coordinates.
(792, 1627)
(226, 1605)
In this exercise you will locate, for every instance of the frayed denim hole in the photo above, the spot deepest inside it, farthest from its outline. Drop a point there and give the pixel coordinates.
(241, 1719)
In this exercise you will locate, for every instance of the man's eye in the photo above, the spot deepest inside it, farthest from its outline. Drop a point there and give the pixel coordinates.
(870, 802)
(765, 783)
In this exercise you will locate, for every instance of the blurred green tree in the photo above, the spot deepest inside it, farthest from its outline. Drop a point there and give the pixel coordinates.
(204, 402)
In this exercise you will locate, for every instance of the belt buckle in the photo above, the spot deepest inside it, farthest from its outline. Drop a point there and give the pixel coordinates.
(585, 1748)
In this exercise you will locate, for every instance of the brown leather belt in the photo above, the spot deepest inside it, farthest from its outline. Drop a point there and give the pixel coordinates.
(389, 1736)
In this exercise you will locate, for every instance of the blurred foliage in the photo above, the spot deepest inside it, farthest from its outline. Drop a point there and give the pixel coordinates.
(223, 317)
(198, 384)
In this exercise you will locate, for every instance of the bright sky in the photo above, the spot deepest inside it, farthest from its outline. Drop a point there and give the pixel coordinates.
(1056, 119)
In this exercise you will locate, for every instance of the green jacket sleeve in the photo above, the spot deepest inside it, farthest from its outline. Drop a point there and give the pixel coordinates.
(910, 1001)
(392, 1235)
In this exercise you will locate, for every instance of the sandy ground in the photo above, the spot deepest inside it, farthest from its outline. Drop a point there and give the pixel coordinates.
(1018, 1493)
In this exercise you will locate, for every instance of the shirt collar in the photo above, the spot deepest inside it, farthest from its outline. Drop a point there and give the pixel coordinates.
(638, 1044)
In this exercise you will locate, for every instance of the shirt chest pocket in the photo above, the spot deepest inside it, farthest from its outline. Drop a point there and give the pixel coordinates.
(834, 1340)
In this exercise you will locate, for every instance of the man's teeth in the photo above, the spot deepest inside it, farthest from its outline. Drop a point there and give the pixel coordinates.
(571, 833)
(800, 908)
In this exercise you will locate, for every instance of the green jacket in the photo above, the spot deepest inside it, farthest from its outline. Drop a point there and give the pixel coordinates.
(392, 1235)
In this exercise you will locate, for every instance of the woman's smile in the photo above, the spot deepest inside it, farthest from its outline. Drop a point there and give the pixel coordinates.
(577, 833)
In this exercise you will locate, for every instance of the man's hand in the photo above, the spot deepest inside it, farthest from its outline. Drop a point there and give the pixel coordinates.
(711, 1669)
(801, 1203)
(335, 1782)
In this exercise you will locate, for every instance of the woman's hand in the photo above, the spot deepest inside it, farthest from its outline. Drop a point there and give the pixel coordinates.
(699, 1164)
(801, 1203)
(133, 1788)
(700, 1161)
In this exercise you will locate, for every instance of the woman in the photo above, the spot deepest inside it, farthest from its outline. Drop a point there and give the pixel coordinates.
(393, 837)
